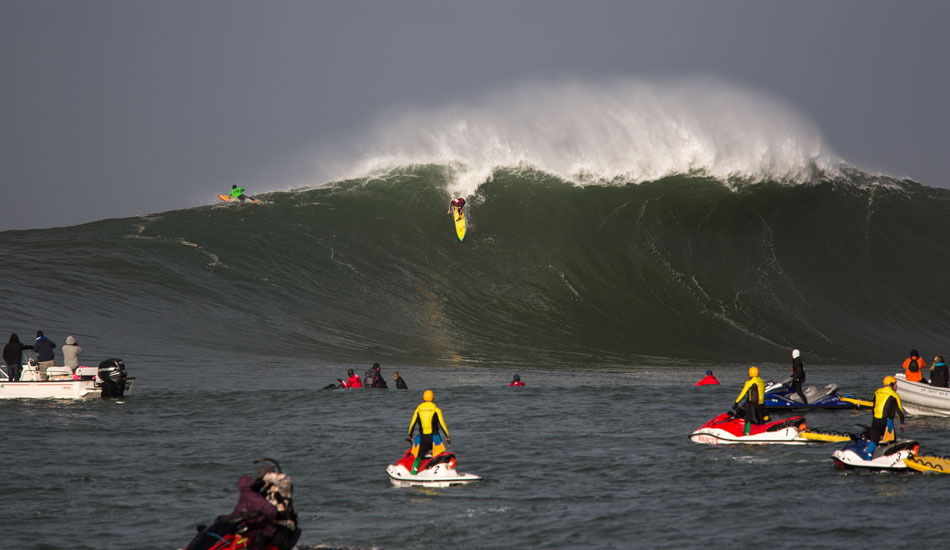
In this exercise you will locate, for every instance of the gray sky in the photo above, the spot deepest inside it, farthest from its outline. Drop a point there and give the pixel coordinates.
(117, 108)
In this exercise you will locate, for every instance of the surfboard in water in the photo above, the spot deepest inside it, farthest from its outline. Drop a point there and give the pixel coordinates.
(459, 222)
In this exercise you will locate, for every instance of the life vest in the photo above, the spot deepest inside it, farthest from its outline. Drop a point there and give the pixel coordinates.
(236, 192)
(758, 395)
(460, 202)
(881, 396)
(913, 369)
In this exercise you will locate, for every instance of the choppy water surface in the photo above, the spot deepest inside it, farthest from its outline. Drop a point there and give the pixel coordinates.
(584, 457)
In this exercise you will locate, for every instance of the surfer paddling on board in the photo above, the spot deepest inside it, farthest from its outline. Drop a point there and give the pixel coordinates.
(458, 203)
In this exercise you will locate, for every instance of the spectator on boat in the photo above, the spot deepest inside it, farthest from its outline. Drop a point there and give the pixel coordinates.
(914, 367)
(400, 383)
(260, 513)
(798, 374)
(516, 381)
(707, 380)
(43, 347)
(13, 357)
(352, 381)
(939, 374)
(71, 353)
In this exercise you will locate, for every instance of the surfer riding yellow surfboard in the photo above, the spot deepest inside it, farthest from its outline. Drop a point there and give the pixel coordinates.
(455, 208)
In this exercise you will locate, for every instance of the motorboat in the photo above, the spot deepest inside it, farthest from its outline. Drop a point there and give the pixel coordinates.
(435, 470)
(729, 429)
(109, 379)
(922, 399)
(781, 396)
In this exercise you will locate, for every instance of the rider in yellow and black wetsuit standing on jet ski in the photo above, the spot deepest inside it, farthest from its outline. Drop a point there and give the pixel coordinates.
(754, 394)
(886, 403)
(428, 417)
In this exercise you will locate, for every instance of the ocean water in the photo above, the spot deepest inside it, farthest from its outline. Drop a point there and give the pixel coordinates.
(594, 457)
(610, 300)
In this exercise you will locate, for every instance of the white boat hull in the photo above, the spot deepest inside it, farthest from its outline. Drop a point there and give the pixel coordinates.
(31, 387)
(439, 475)
(850, 459)
(923, 399)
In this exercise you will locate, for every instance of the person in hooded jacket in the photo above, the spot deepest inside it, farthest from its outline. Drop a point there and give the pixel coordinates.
(707, 380)
(278, 489)
(13, 357)
(798, 375)
(939, 374)
(914, 367)
(43, 347)
(261, 513)
(71, 353)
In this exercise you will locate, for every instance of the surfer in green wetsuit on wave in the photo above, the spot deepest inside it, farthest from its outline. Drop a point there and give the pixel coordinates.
(238, 193)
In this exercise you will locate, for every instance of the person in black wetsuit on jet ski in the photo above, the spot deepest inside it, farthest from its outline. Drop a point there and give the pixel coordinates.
(798, 374)
(754, 394)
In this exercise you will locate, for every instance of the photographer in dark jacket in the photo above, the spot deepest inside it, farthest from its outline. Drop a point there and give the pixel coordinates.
(13, 357)
(939, 374)
(43, 347)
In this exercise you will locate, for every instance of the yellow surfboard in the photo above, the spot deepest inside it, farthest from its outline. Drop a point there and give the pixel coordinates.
(459, 218)
(928, 463)
(826, 437)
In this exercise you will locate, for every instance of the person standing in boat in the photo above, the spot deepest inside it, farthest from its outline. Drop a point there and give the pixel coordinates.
(13, 357)
(71, 353)
(43, 347)
(939, 374)
(914, 367)
(400, 383)
(798, 374)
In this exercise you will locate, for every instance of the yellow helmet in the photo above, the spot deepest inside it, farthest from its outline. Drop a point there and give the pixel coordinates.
(888, 380)
(427, 395)
(753, 372)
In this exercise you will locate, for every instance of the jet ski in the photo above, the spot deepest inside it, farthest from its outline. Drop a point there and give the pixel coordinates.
(782, 396)
(435, 470)
(886, 456)
(226, 533)
(729, 429)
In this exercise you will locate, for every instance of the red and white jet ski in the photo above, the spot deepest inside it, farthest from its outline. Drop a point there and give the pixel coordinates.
(727, 429)
(433, 471)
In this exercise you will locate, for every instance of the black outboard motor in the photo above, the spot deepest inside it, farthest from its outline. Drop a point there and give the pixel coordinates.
(112, 377)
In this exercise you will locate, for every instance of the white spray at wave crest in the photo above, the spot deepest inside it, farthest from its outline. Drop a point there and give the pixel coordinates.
(622, 130)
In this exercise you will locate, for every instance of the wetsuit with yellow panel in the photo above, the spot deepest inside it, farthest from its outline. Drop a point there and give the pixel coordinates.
(886, 404)
(428, 417)
(754, 394)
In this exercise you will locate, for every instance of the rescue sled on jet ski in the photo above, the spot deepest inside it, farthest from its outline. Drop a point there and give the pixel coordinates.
(729, 429)
(434, 470)
(781, 396)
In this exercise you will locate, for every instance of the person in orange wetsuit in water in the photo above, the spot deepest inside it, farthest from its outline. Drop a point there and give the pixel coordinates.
(914, 367)
(707, 380)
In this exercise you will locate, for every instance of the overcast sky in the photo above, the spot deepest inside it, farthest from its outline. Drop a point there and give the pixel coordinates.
(117, 108)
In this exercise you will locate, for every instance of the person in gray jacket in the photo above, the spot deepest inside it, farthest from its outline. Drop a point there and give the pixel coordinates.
(71, 353)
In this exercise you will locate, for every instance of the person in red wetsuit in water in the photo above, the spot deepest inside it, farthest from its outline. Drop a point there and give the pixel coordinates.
(353, 380)
(708, 379)
(459, 202)
(516, 381)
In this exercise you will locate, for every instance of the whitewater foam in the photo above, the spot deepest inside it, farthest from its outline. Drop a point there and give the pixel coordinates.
(624, 130)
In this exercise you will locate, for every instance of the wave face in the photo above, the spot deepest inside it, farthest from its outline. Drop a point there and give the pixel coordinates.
(851, 269)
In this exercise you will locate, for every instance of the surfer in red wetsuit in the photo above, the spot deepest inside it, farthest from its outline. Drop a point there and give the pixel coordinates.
(708, 379)
(459, 202)
(516, 381)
